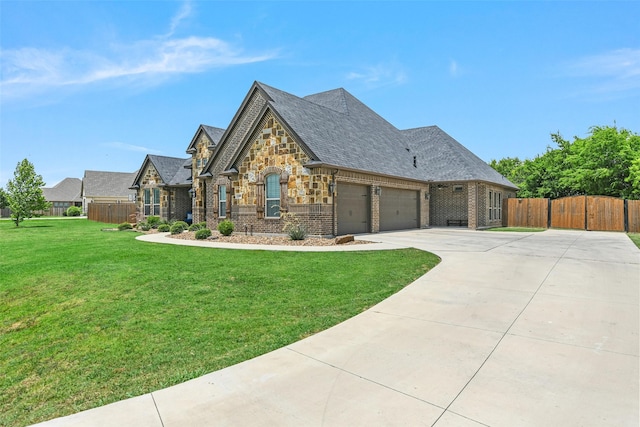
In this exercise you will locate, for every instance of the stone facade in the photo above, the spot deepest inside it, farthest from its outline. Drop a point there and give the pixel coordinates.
(304, 191)
(169, 203)
(199, 160)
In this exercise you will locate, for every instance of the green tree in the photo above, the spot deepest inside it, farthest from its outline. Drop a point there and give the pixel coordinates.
(3, 199)
(510, 168)
(24, 192)
(606, 162)
(601, 164)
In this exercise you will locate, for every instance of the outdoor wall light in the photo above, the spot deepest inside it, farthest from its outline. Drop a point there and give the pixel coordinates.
(192, 193)
(332, 187)
(377, 190)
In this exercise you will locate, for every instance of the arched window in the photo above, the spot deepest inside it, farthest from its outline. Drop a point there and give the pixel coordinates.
(272, 199)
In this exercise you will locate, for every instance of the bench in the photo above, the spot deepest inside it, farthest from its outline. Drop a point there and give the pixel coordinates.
(458, 222)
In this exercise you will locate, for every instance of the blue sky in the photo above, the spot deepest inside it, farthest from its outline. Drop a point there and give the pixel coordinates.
(97, 85)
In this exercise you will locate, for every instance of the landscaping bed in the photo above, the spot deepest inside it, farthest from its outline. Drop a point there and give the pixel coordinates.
(262, 239)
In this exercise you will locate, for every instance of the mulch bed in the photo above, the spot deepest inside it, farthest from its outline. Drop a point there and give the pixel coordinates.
(265, 239)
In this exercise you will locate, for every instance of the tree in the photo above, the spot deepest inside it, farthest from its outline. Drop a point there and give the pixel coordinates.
(24, 192)
(3, 199)
(509, 167)
(606, 162)
(601, 164)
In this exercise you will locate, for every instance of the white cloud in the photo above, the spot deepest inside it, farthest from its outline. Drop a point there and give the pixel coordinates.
(615, 71)
(30, 70)
(183, 13)
(454, 70)
(380, 75)
(129, 147)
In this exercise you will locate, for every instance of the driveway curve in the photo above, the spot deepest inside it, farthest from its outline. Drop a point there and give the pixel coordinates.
(510, 329)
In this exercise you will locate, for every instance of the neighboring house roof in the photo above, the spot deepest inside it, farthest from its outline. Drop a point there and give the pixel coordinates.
(67, 190)
(213, 133)
(172, 170)
(336, 129)
(107, 184)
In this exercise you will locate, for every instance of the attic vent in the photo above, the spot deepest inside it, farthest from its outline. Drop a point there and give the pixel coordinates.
(415, 162)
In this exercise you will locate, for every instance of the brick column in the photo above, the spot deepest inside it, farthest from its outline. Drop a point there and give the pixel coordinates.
(375, 209)
(472, 205)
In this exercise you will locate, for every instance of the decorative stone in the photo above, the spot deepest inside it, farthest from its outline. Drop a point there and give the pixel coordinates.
(344, 239)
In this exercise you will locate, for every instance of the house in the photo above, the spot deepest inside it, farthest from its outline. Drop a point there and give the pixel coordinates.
(106, 187)
(64, 194)
(330, 160)
(341, 168)
(163, 187)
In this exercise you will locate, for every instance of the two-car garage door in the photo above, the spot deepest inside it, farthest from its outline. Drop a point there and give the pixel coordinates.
(399, 209)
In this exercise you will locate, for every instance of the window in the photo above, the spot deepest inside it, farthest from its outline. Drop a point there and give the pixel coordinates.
(272, 190)
(147, 202)
(222, 200)
(495, 205)
(156, 201)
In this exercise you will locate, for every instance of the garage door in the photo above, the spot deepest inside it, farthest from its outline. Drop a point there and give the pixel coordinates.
(353, 208)
(399, 209)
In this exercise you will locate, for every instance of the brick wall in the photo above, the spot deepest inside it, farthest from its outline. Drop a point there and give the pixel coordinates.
(448, 201)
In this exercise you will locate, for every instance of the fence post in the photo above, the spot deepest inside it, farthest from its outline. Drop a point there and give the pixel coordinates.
(626, 215)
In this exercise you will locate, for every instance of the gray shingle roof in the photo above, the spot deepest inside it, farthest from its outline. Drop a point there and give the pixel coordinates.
(213, 133)
(172, 170)
(448, 160)
(107, 184)
(337, 129)
(67, 190)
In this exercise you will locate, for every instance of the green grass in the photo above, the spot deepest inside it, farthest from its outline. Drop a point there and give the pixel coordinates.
(635, 238)
(89, 317)
(517, 229)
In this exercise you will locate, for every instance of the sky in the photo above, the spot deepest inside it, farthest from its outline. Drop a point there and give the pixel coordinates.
(97, 85)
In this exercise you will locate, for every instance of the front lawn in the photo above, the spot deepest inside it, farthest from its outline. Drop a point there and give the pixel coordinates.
(90, 317)
(635, 238)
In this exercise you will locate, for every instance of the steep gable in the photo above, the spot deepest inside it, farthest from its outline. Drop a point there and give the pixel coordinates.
(170, 170)
(212, 133)
(343, 132)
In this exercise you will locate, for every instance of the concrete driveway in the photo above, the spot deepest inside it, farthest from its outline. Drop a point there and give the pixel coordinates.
(511, 329)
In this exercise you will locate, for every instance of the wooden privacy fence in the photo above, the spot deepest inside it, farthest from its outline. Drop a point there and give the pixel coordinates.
(112, 213)
(526, 212)
(597, 213)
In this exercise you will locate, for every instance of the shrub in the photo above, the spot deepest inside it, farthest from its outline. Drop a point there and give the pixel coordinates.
(178, 227)
(293, 227)
(74, 211)
(163, 228)
(203, 233)
(198, 226)
(153, 221)
(144, 226)
(125, 226)
(225, 227)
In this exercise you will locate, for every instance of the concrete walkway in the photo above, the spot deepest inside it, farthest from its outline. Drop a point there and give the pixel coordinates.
(511, 329)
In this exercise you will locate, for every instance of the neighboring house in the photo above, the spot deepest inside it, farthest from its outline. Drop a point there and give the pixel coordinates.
(64, 194)
(163, 186)
(106, 187)
(340, 167)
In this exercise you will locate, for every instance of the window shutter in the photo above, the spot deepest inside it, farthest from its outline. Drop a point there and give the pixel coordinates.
(284, 184)
(260, 196)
